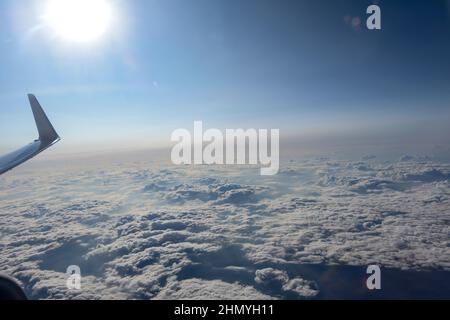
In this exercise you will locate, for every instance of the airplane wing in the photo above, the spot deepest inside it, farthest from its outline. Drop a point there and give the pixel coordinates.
(47, 138)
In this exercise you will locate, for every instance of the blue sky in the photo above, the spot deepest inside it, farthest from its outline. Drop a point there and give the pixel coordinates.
(295, 65)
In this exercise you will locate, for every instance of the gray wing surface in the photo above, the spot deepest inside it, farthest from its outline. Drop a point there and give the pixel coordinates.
(47, 138)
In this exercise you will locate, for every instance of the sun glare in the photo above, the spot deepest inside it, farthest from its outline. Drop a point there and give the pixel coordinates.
(79, 20)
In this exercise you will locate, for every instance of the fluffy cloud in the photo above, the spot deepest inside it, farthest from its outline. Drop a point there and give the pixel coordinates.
(280, 280)
(146, 232)
(196, 289)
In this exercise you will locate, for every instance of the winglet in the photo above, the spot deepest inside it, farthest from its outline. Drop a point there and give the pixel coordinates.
(46, 131)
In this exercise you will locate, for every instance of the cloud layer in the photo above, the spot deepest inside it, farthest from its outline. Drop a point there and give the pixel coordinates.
(144, 231)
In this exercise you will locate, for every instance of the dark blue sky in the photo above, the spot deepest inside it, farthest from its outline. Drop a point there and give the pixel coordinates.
(305, 67)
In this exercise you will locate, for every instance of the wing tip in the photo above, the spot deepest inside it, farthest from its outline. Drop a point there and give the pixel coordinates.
(45, 128)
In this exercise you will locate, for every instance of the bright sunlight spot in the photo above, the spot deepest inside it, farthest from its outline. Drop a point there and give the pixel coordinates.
(79, 20)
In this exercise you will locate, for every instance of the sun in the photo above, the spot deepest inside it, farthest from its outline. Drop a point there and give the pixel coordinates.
(78, 20)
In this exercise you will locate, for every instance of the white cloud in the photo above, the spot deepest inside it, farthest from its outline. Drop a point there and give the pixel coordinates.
(142, 231)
